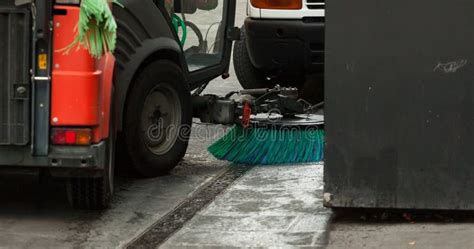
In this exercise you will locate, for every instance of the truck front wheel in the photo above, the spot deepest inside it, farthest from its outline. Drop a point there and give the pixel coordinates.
(158, 119)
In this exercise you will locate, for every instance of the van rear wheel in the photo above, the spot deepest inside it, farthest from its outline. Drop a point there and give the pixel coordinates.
(248, 75)
(158, 119)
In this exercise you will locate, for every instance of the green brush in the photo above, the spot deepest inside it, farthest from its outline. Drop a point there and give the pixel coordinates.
(96, 30)
(270, 143)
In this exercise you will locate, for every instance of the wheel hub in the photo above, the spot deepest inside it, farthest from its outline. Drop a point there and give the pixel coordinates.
(161, 117)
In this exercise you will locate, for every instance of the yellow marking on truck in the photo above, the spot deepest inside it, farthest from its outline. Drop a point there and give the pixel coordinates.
(42, 61)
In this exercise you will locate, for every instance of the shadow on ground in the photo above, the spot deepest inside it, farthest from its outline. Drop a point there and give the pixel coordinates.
(380, 216)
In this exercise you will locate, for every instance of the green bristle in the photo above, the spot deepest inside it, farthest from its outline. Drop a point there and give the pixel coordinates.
(96, 30)
(269, 146)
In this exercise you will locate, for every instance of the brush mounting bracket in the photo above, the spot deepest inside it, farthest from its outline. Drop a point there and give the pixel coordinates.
(228, 109)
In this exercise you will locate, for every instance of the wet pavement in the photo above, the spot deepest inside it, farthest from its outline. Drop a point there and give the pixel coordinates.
(401, 229)
(268, 206)
(278, 206)
(34, 215)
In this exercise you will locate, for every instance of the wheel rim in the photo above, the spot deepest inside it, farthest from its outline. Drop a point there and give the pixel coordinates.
(161, 119)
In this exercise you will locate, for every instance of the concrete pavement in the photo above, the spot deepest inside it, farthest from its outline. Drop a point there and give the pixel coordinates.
(268, 207)
(401, 229)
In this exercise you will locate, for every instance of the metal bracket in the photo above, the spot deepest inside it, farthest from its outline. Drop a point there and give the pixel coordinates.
(21, 91)
(41, 90)
(233, 34)
(41, 78)
(22, 2)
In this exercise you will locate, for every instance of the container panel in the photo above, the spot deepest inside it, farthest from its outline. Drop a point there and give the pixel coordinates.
(14, 74)
(399, 107)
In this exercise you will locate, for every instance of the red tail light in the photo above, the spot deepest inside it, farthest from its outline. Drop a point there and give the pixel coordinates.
(71, 136)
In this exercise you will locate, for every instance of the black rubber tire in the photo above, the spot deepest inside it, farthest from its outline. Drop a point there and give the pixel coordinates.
(145, 162)
(247, 74)
(95, 193)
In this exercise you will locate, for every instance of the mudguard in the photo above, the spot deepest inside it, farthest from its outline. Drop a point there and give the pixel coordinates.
(144, 34)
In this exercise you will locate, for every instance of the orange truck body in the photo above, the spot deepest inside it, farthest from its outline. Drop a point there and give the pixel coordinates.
(81, 85)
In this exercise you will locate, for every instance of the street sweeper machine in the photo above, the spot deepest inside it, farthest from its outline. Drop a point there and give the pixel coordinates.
(78, 77)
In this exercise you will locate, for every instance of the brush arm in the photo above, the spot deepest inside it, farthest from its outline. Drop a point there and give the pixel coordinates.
(214, 109)
(224, 110)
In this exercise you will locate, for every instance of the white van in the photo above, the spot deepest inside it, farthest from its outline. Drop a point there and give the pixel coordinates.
(282, 43)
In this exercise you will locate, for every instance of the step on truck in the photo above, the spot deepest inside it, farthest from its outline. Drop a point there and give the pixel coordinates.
(62, 113)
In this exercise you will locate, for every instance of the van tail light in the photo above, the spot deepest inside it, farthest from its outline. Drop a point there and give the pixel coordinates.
(278, 4)
(71, 136)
